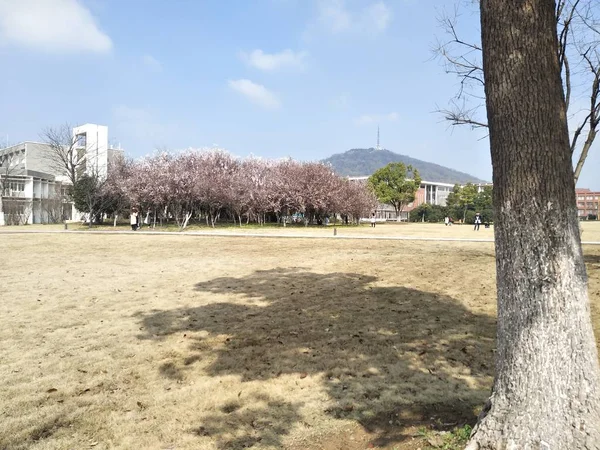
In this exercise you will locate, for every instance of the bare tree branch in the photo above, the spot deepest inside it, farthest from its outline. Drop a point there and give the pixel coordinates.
(462, 59)
(7, 168)
(460, 115)
(66, 154)
(578, 33)
(564, 20)
(593, 119)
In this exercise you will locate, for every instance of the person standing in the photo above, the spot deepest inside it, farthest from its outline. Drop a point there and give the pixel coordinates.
(477, 222)
(133, 219)
(373, 220)
(446, 220)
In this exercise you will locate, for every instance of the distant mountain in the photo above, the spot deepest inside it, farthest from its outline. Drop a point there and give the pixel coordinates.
(365, 161)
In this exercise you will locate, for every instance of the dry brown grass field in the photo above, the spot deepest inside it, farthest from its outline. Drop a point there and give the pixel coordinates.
(591, 230)
(187, 342)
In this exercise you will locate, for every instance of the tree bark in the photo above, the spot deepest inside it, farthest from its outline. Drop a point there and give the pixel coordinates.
(547, 384)
(187, 215)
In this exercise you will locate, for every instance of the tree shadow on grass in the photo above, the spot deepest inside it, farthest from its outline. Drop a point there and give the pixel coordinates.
(257, 418)
(592, 261)
(27, 437)
(387, 357)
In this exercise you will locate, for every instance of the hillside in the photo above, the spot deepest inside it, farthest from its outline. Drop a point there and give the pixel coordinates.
(365, 161)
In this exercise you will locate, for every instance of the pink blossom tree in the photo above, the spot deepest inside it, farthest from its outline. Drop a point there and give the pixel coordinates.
(213, 183)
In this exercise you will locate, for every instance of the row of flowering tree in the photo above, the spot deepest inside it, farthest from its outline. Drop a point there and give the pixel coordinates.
(214, 185)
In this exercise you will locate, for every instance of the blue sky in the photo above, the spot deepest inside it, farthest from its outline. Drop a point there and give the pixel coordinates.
(275, 78)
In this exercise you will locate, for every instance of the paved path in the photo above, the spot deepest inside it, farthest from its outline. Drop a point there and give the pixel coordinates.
(257, 235)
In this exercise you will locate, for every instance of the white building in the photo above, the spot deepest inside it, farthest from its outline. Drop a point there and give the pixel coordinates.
(33, 186)
(435, 193)
(431, 192)
(93, 140)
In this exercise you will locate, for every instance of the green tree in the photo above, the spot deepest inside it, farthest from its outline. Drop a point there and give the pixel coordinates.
(429, 213)
(391, 185)
(461, 199)
(453, 203)
(87, 196)
(466, 198)
(484, 204)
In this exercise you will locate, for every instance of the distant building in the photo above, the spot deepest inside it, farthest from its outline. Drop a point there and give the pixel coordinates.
(33, 188)
(481, 186)
(588, 203)
(93, 140)
(430, 192)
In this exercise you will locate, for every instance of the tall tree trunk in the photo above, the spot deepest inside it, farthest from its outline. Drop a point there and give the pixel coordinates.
(186, 219)
(546, 392)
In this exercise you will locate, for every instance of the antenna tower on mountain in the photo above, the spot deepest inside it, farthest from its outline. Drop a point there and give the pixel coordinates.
(378, 147)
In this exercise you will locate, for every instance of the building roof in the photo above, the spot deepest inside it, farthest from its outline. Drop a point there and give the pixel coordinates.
(431, 183)
(586, 191)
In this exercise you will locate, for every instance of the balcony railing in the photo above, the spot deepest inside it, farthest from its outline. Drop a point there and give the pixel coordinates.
(14, 194)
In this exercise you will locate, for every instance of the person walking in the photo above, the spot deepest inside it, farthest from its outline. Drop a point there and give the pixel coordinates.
(373, 220)
(133, 219)
(477, 222)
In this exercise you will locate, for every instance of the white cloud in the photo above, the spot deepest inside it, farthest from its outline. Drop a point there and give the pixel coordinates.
(51, 25)
(273, 61)
(256, 93)
(368, 119)
(378, 16)
(152, 63)
(335, 17)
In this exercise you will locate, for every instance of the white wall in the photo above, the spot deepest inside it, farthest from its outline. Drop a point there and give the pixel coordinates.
(96, 146)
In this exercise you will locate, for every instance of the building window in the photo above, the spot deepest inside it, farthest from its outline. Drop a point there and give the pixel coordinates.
(80, 140)
(18, 186)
